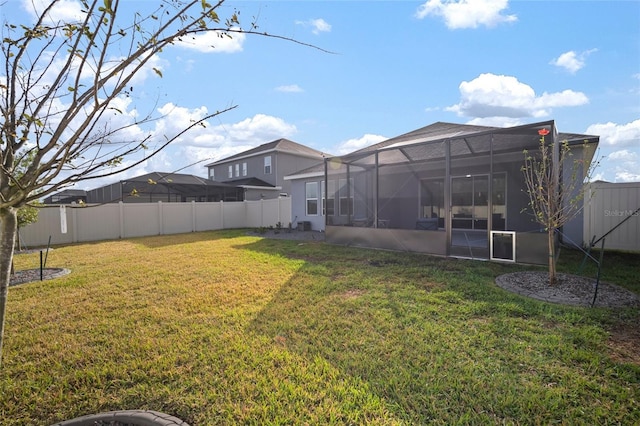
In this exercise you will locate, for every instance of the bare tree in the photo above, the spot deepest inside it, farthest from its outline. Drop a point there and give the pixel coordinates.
(555, 183)
(60, 88)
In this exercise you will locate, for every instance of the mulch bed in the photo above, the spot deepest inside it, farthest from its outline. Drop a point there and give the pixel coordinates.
(30, 275)
(569, 289)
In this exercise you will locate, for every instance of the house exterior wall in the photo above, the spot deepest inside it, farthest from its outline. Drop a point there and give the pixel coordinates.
(282, 164)
(255, 168)
(298, 204)
(287, 164)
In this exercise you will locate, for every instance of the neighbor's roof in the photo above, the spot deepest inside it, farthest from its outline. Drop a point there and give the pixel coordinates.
(69, 192)
(175, 179)
(279, 145)
(251, 181)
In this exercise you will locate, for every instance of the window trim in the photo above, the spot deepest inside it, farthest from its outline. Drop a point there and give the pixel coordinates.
(331, 196)
(267, 165)
(307, 186)
(348, 196)
(323, 198)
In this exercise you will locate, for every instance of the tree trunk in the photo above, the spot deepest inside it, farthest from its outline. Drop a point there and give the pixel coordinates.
(8, 231)
(552, 257)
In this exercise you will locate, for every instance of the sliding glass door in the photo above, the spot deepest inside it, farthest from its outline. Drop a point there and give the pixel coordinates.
(469, 202)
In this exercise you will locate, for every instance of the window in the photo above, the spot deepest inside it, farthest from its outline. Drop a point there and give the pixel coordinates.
(244, 169)
(432, 211)
(212, 174)
(312, 198)
(267, 165)
(230, 172)
(237, 170)
(498, 198)
(331, 195)
(322, 195)
(346, 197)
(469, 205)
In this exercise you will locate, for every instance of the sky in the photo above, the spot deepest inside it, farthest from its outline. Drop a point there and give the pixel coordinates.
(384, 68)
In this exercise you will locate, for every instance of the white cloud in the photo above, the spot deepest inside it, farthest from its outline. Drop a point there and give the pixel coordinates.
(359, 143)
(467, 13)
(259, 129)
(291, 88)
(317, 25)
(626, 176)
(154, 63)
(204, 145)
(200, 145)
(64, 10)
(491, 95)
(572, 61)
(624, 155)
(214, 42)
(618, 135)
(495, 122)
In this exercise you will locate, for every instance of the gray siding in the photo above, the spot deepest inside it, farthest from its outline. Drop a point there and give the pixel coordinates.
(298, 204)
(288, 164)
(255, 168)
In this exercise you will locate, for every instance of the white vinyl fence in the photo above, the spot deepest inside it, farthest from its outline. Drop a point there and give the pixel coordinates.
(607, 205)
(72, 224)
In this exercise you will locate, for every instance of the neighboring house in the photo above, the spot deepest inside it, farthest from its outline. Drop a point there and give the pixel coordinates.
(445, 189)
(166, 187)
(67, 196)
(261, 170)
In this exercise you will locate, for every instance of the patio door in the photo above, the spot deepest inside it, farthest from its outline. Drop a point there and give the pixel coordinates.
(469, 206)
(469, 215)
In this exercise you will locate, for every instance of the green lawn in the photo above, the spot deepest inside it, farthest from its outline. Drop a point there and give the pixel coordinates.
(225, 328)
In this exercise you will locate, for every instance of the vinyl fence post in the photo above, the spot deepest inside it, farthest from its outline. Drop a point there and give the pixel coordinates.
(221, 214)
(74, 225)
(121, 213)
(193, 216)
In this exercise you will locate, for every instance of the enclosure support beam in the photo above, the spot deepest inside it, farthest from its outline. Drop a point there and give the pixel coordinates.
(490, 191)
(376, 181)
(447, 194)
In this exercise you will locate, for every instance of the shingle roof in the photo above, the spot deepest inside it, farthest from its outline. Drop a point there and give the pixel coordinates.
(281, 145)
(252, 181)
(434, 132)
(176, 179)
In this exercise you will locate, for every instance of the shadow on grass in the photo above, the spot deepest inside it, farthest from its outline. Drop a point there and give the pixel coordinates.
(160, 241)
(435, 339)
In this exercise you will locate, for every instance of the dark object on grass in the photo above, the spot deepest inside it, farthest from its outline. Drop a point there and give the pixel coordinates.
(125, 418)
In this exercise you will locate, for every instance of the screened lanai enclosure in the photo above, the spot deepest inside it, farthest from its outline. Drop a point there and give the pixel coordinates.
(165, 187)
(446, 189)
